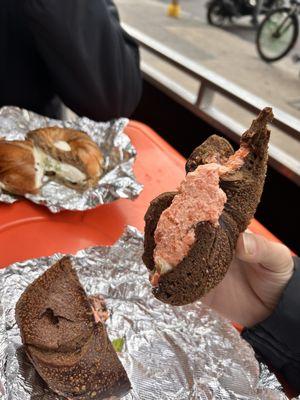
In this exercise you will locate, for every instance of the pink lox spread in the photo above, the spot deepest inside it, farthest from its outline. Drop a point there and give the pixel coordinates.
(199, 198)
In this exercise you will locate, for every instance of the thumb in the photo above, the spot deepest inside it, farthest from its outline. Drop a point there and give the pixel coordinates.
(273, 256)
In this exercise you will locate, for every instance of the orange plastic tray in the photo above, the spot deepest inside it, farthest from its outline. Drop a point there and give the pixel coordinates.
(28, 230)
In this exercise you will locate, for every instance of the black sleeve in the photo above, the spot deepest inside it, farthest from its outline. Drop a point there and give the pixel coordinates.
(93, 62)
(276, 340)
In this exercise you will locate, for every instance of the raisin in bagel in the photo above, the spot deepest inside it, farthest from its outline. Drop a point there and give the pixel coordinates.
(68, 155)
(17, 167)
(191, 234)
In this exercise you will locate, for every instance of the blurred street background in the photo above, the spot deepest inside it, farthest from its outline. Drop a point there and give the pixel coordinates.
(229, 52)
(196, 9)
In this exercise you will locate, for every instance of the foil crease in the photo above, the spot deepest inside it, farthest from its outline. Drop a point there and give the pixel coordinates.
(170, 353)
(118, 180)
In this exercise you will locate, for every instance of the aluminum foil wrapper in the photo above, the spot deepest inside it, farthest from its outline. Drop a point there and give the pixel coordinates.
(118, 180)
(170, 353)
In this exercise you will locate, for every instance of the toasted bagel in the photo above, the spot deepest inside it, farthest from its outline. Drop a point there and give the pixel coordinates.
(18, 174)
(68, 155)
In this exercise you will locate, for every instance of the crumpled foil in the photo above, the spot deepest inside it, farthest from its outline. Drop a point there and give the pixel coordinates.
(170, 353)
(119, 155)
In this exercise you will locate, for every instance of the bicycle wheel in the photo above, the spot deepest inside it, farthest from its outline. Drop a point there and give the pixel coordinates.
(277, 34)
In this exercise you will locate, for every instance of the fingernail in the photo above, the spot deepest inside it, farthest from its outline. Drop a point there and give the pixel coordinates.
(249, 244)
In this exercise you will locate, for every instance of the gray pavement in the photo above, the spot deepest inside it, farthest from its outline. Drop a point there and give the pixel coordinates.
(196, 9)
(241, 27)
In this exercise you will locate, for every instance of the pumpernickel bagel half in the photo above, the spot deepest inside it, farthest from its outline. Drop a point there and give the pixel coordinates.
(69, 349)
(191, 234)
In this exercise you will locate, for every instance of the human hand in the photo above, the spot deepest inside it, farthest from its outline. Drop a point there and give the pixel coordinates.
(254, 282)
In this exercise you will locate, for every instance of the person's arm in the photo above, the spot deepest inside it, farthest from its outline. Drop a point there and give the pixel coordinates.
(276, 340)
(93, 62)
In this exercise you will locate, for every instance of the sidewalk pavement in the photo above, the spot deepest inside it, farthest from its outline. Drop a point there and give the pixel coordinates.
(222, 52)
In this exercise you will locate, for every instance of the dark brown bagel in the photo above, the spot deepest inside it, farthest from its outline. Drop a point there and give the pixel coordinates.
(209, 258)
(68, 348)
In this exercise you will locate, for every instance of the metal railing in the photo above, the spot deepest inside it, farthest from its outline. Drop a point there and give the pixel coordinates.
(202, 105)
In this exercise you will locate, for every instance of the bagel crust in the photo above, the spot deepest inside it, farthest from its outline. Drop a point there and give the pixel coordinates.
(17, 167)
(207, 261)
(68, 155)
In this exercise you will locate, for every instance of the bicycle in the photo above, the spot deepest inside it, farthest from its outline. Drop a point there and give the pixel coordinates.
(221, 13)
(278, 32)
